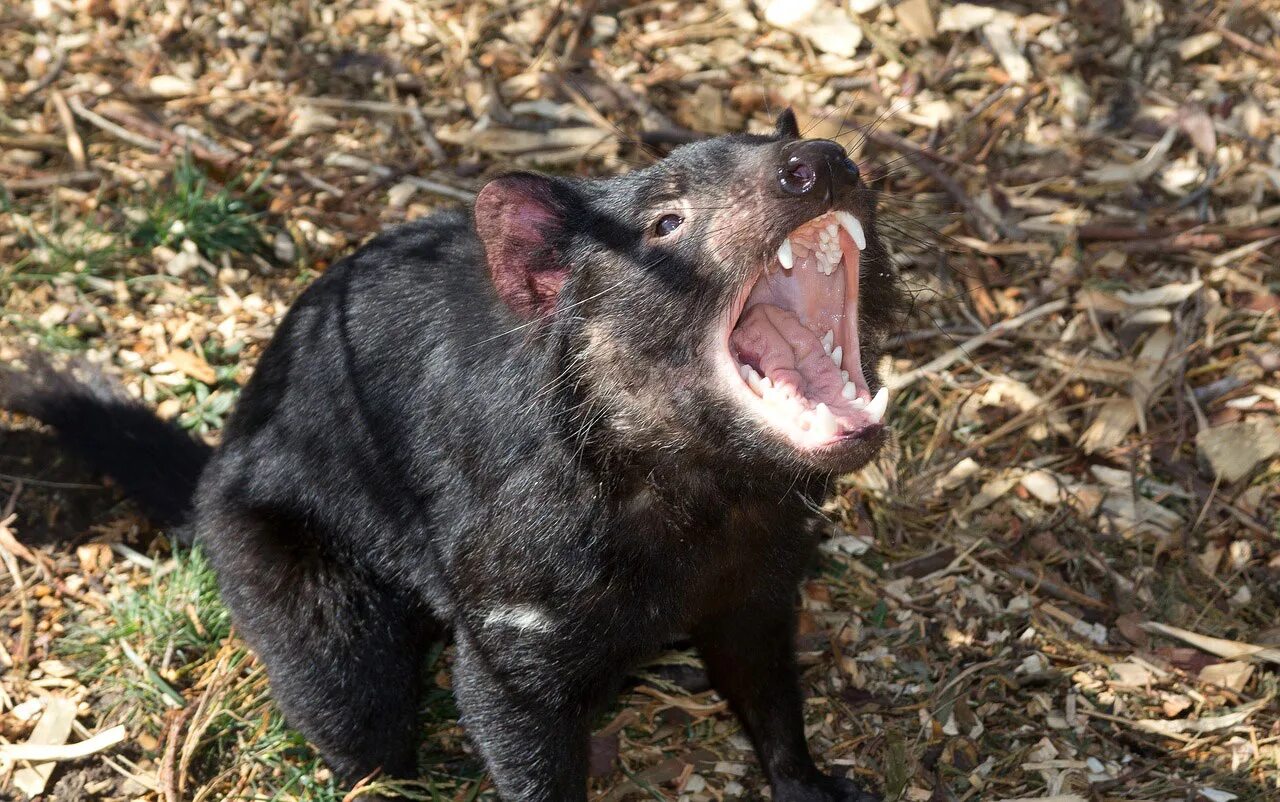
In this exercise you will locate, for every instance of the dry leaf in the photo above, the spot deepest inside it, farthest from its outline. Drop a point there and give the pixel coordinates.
(192, 366)
(1233, 675)
(1233, 450)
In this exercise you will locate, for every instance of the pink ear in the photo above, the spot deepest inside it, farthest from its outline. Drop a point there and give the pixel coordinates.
(518, 217)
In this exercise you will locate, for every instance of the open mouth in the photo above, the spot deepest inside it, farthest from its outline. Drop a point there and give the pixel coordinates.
(793, 345)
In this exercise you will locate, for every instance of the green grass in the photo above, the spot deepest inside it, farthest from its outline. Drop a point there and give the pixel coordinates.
(156, 646)
(93, 253)
(163, 628)
(226, 220)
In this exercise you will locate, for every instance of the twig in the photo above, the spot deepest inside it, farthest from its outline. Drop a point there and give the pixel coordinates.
(924, 159)
(1248, 45)
(23, 652)
(1109, 232)
(1041, 582)
(961, 351)
(908, 148)
(57, 180)
(117, 131)
(49, 77)
(1229, 649)
(169, 778)
(353, 162)
(27, 480)
(1179, 243)
(75, 146)
(373, 106)
(44, 753)
(196, 144)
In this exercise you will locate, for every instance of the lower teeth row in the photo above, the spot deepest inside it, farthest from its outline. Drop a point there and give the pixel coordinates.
(836, 352)
(819, 420)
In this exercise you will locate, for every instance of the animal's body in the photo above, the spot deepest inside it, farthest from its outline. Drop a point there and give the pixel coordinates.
(568, 428)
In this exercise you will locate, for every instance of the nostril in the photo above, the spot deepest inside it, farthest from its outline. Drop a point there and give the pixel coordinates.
(798, 177)
(802, 174)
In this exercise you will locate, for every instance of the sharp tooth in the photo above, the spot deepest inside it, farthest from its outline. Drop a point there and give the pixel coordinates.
(879, 405)
(828, 340)
(753, 381)
(823, 423)
(837, 354)
(854, 228)
(849, 391)
(785, 256)
(744, 370)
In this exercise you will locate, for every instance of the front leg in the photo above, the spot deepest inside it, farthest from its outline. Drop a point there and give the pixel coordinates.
(750, 657)
(526, 699)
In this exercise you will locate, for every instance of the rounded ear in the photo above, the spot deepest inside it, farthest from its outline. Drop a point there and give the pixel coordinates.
(786, 127)
(521, 219)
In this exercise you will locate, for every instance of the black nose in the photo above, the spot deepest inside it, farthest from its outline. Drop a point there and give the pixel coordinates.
(815, 165)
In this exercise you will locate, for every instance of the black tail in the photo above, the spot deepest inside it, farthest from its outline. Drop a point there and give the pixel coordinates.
(157, 463)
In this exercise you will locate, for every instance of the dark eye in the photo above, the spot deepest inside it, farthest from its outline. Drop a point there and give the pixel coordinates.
(667, 224)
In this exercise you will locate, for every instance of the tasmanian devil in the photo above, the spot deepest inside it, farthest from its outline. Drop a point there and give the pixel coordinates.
(578, 423)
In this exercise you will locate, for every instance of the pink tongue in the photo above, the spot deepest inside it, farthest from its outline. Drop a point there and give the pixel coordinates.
(781, 347)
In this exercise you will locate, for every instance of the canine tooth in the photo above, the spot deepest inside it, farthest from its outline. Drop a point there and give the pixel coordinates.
(854, 228)
(879, 405)
(744, 370)
(849, 391)
(823, 422)
(753, 381)
(837, 354)
(828, 340)
(785, 255)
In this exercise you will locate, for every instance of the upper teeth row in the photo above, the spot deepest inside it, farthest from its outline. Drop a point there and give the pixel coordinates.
(828, 253)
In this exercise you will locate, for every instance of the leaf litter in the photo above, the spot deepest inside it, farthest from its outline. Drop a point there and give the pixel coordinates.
(1060, 583)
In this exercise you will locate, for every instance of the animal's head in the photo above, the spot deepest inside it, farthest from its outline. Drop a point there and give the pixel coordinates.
(732, 298)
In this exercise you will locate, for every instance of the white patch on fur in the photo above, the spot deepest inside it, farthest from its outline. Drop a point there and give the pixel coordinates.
(520, 616)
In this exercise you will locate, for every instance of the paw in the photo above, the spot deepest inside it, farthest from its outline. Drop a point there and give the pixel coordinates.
(826, 789)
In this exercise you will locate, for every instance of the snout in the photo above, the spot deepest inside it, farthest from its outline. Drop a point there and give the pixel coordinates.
(815, 168)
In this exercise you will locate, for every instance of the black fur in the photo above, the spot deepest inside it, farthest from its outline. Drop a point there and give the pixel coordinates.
(155, 462)
(564, 492)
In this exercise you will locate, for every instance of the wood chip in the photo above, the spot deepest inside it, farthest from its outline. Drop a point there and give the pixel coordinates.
(48, 737)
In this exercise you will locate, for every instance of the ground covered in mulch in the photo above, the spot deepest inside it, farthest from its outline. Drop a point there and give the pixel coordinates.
(1063, 581)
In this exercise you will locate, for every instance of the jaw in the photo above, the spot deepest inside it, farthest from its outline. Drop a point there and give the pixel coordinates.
(791, 353)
